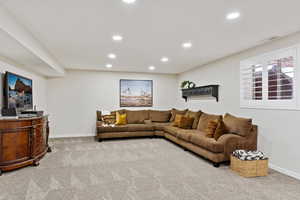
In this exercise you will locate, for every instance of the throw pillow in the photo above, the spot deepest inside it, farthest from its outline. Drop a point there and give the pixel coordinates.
(211, 128)
(205, 118)
(186, 122)
(121, 119)
(220, 130)
(109, 119)
(195, 115)
(177, 120)
(174, 112)
(238, 125)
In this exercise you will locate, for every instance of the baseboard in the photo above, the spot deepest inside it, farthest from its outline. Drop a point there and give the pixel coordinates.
(72, 135)
(285, 171)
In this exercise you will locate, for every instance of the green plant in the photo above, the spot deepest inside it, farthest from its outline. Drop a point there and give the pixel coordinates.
(184, 84)
(187, 84)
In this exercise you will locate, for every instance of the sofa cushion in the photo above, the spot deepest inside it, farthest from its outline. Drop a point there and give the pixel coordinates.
(159, 116)
(186, 122)
(175, 111)
(195, 115)
(109, 129)
(160, 126)
(140, 127)
(207, 143)
(237, 125)
(205, 118)
(137, 117)
(172, 130)
(186, 134)
(125, 128)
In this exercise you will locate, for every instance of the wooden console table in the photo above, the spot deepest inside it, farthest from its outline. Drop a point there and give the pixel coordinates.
(23, 142)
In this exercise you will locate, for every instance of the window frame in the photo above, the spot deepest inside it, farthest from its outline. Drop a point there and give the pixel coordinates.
(263, 59)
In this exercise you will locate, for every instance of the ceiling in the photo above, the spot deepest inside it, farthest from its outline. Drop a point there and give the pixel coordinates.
(78, 33)
(16, 54)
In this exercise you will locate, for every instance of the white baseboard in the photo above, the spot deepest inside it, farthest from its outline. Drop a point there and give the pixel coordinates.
(72, 135)
(285, 171)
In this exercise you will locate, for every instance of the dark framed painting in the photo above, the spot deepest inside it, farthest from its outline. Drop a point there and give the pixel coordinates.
(136, 93)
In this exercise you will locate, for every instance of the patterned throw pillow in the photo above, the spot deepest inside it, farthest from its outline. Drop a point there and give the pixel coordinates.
(211, 128)
(186, 122)
(121, 119)
(177, 120)
(109, 119)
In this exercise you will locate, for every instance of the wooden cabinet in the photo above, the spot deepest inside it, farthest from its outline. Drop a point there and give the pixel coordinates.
(23, 142)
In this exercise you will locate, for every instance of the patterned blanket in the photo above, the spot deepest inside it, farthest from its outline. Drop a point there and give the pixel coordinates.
(249, 155)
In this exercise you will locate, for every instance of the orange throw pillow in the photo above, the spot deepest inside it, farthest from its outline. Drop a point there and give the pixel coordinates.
(211, 128)
(220, 130)
(186, 122)
(177, 120)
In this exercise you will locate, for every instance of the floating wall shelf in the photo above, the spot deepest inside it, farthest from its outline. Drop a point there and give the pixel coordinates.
(207, 90)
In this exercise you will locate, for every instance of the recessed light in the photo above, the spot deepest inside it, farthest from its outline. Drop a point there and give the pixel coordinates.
(111, 56)
(117, 38)
(151, 68)
(164, 59)
(108, 65)
(187, 45)
(233, 15)
(129, 1)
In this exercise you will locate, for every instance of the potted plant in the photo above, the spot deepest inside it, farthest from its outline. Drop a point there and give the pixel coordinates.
(187, 84)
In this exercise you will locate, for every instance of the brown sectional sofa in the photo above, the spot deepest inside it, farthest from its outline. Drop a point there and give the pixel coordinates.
(145, 123)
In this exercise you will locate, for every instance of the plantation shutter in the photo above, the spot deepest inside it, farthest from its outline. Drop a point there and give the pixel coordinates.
(269, 80)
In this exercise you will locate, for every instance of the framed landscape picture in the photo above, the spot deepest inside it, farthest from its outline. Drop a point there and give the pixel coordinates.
(136, 93)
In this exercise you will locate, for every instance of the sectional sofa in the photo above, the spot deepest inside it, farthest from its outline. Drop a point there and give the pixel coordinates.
(242, 134)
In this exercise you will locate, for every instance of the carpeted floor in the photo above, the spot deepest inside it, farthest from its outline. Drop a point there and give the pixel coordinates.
(136, 169)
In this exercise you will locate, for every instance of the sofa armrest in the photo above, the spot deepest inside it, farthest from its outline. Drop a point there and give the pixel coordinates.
(231, 143)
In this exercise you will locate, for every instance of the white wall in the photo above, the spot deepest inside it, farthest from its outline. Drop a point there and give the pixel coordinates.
(279, 134)
(74, 99)
(39, 84)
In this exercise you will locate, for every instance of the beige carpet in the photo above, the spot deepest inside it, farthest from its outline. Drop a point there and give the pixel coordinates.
(136, 169)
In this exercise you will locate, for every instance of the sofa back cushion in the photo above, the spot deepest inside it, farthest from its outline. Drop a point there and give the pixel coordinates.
(237, 125)
(159, 116)
(137, 117)
(205, 119)
(174, 112)
(195, 115)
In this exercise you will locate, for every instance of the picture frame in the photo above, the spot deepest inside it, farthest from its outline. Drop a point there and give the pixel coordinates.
(136, 93)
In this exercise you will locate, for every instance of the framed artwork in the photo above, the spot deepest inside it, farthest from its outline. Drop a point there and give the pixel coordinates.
(136, 93)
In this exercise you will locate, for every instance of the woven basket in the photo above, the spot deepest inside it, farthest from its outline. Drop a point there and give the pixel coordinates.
(249, 168)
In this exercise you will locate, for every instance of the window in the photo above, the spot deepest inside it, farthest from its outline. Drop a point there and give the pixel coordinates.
(269, 80)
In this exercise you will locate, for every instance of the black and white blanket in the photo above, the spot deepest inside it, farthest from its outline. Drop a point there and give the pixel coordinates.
(249, 155)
